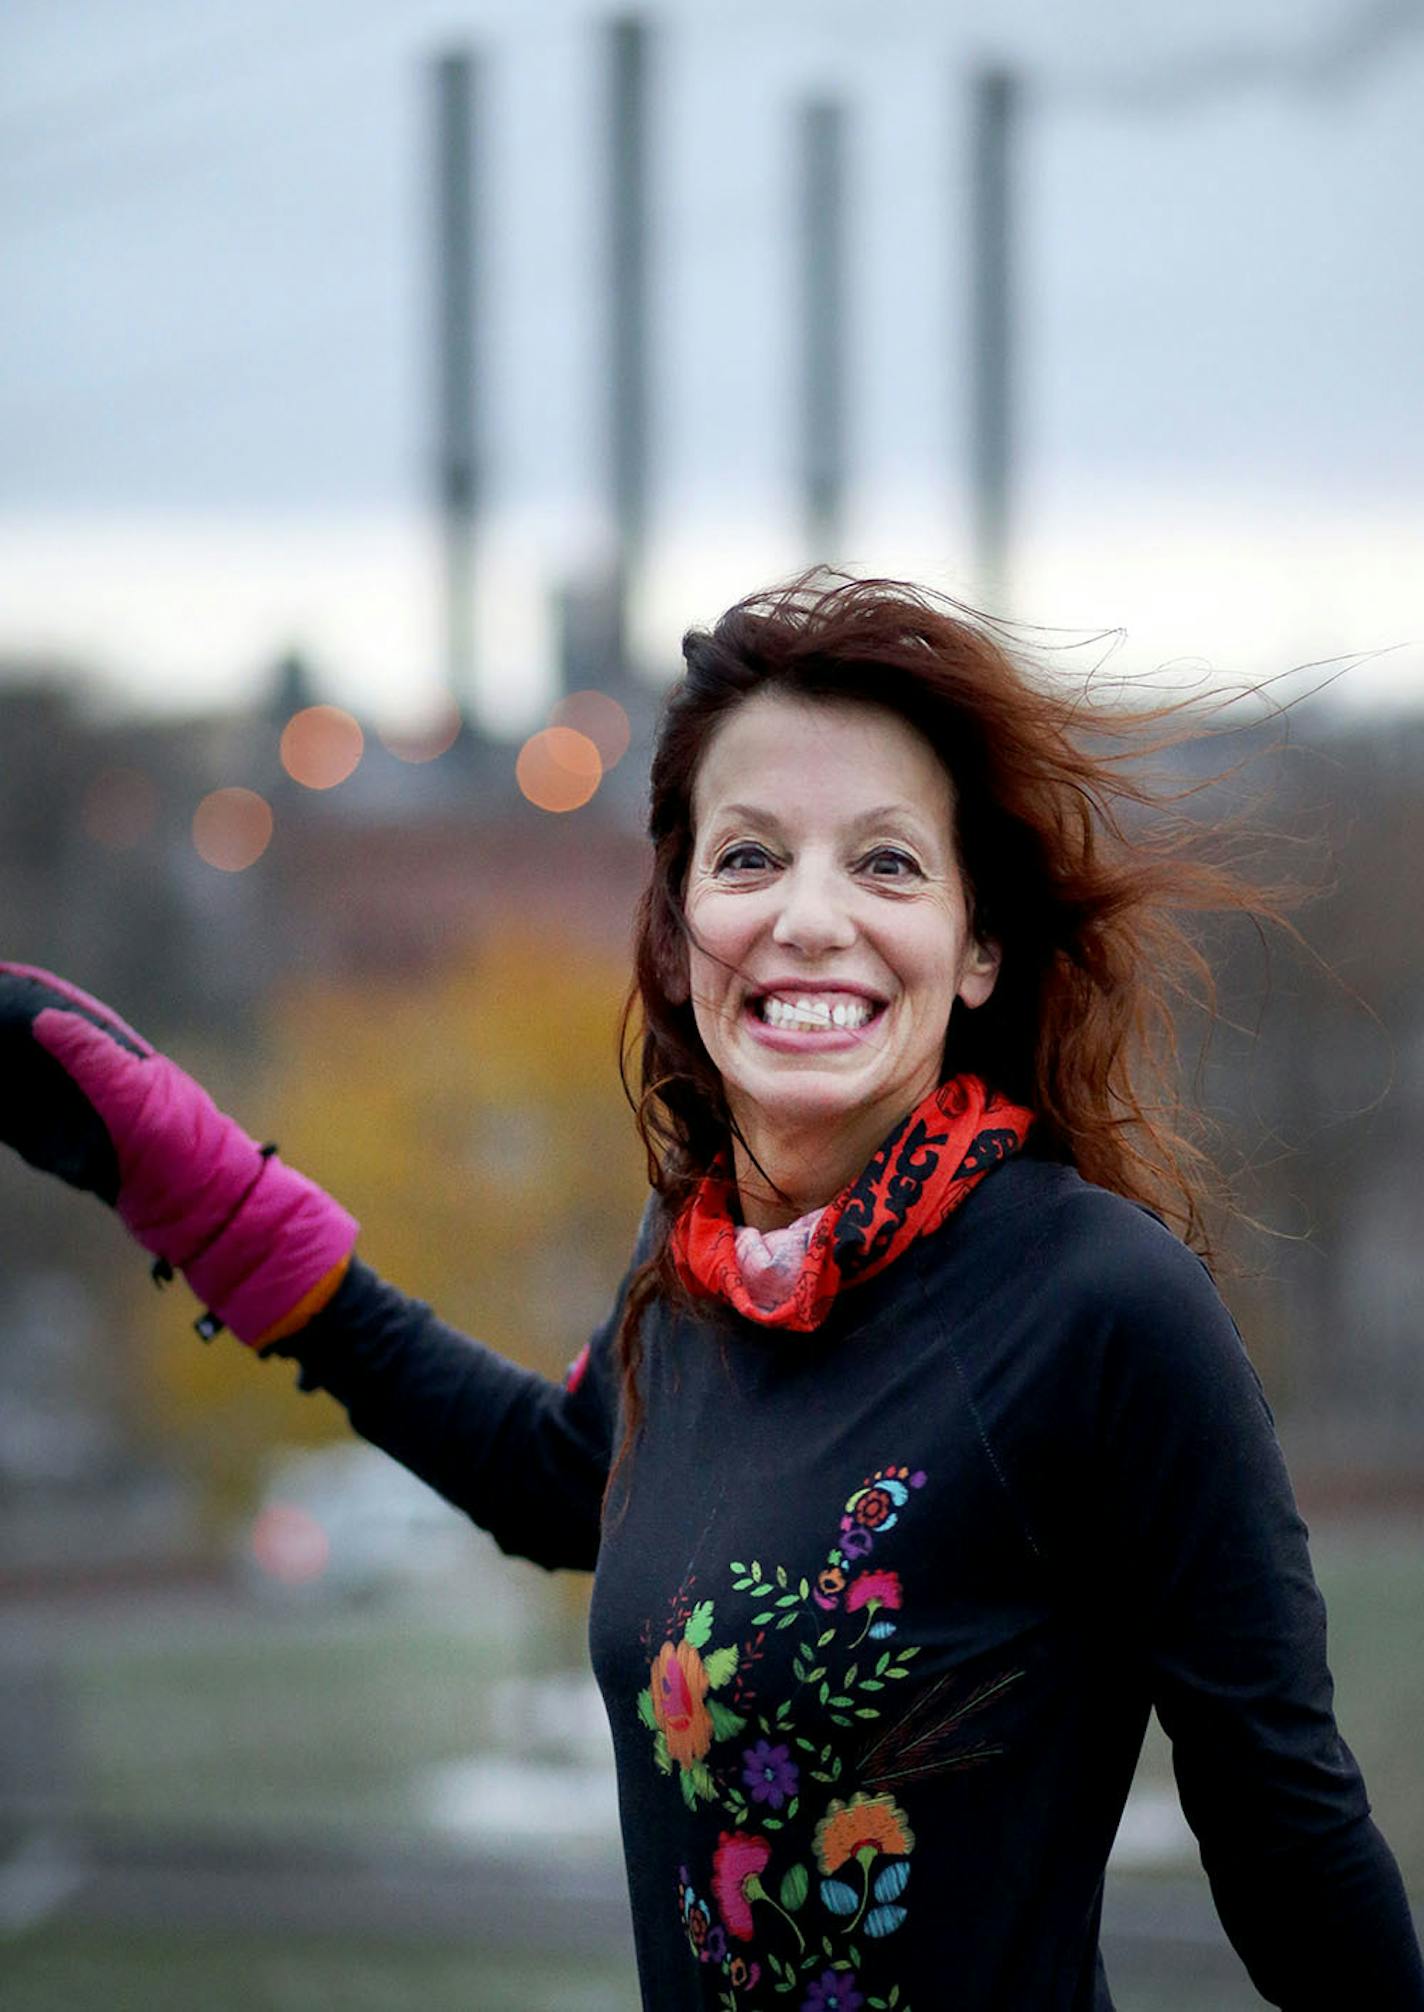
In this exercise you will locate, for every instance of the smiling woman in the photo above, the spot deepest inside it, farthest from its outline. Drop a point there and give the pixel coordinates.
(918, 1459)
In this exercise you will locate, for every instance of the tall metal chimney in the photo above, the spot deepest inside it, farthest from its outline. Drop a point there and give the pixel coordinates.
(821, 161)
(457, 446)
(995, 108)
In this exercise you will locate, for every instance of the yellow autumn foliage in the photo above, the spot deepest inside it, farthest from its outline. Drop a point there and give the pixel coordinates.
(474, 1123)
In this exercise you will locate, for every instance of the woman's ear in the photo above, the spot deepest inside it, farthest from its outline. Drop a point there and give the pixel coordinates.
(979, 971)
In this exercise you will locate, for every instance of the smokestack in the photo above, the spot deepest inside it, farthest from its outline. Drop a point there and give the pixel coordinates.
(823, 361)
(995, 107)
(457, 456)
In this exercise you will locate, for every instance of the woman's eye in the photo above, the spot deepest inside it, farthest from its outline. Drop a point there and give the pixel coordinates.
(888, 863)
(744, 859)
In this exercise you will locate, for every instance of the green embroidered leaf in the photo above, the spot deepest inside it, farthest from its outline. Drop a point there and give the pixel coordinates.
(871, 1684)
(806, 1746)
(817, 1674)
(689, 1793)
(825, 1694)
(798, 1669)
(794, 1888)
(881, 1661)
(840, 1699)
(661, 1754)
(781, 1575)
(788, 1599)
(867, 1712)
(701, 1779)
(885, 1920)
(699, 1625)
(805, 1589)
(725, 1724)
(829, 1636)
(645, 1710)
(897, 1673)
(760, 1620)
(792, 1807)
(819, 1774)
(849, 1677)
(720, 1666)
(905, 1654)
(737, 1565)
(771, 1823)
(787, 1620)
(740, 1585)
(761, 1591)
(756, 1569)
(839, 1719)
(854, 1954)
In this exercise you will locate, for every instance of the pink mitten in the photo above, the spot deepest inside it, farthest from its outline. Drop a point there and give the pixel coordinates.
(85, 1097)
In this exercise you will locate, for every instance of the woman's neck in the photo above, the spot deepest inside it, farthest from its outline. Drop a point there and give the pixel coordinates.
(785, 1174)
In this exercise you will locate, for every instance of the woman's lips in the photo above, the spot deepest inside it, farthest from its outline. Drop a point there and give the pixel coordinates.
(809, 1018)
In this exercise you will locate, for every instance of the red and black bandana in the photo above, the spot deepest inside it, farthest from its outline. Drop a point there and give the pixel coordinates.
(920, 1175)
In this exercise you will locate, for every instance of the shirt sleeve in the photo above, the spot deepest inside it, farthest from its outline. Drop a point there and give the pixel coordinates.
(526, 1458)
(1218, 1595)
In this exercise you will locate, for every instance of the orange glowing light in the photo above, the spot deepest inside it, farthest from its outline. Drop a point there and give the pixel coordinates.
(599, 717)
(120, 808)
(427, 739)
(232, 828)
(290, 1545)
(558, 768)
(321, 746)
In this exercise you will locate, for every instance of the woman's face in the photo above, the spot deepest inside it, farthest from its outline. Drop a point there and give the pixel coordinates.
(828, 916)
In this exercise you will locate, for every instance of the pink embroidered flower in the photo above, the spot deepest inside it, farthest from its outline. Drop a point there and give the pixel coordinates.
(737, 1865)
(874, 1589)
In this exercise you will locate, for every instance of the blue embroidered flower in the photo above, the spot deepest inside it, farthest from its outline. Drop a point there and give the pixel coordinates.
(770, 1773)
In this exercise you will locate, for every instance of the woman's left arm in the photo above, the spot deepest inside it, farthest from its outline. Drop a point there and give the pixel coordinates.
(1213, 1556)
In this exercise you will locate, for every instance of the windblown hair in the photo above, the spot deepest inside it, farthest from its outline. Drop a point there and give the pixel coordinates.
(1086, 899)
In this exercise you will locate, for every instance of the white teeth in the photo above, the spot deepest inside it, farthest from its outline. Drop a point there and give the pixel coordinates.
(812, 1016)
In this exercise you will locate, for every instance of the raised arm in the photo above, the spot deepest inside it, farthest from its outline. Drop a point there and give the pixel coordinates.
(269, 1255)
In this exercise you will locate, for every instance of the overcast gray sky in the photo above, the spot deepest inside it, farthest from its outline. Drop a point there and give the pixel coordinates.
(214, 370)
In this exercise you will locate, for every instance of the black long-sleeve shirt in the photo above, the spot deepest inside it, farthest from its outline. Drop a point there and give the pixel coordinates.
(880, 1613)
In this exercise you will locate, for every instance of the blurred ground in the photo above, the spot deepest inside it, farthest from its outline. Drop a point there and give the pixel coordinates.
(210, 1798)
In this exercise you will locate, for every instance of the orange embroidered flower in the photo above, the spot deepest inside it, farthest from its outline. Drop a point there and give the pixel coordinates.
(867, 1823)
(679, 1686)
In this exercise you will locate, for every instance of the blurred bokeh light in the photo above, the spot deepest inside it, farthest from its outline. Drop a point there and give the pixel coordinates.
(427, 739)
(321, 746)
(558, 769)
(232, 828)
(601, 718)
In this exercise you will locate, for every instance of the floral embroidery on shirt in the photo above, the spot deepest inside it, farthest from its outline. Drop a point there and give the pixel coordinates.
(796, 1918)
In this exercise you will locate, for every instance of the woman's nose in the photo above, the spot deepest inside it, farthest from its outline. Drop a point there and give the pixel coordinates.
(814, 916)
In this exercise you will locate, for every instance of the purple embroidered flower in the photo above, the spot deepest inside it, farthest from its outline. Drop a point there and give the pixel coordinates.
(857, 1542)
(770, 1773)
(833, 1991)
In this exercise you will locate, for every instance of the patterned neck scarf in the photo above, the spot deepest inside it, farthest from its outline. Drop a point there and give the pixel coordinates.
(920, 1175)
